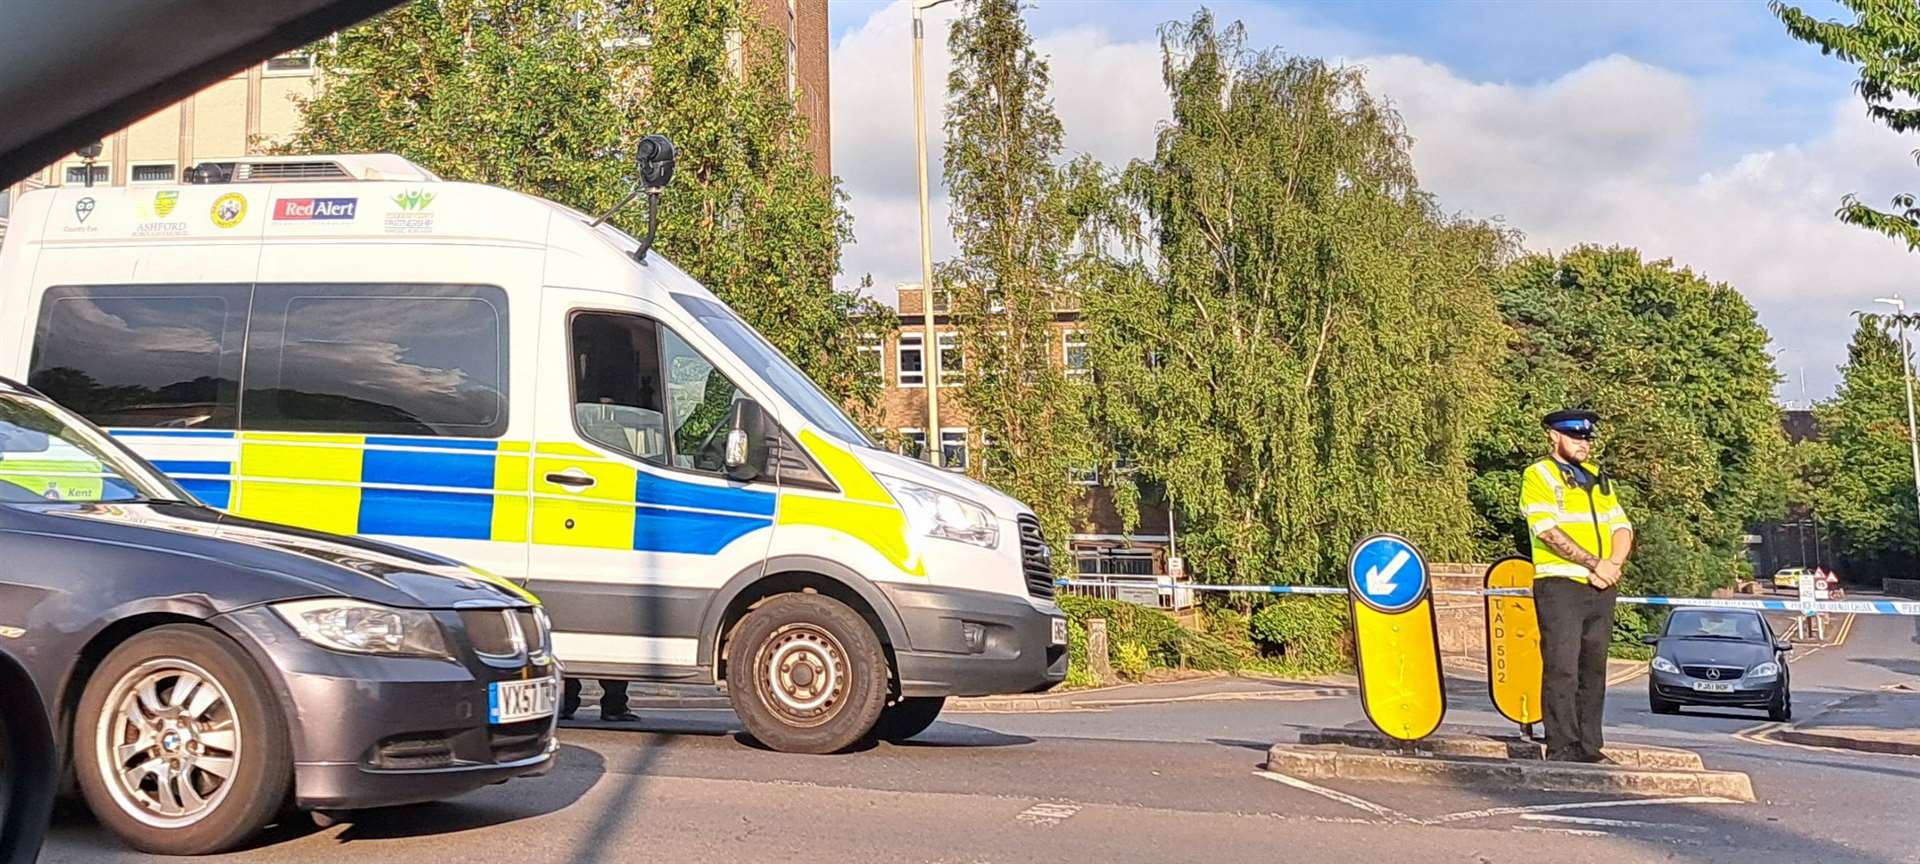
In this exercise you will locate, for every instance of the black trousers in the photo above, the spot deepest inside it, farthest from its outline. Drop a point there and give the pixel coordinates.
(1576, 625)
(613, 698)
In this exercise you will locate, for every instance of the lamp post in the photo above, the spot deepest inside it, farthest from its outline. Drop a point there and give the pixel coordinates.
(1906, 369)
(930, 346)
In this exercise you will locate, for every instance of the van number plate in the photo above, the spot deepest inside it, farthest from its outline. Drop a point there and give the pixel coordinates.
(514, 701)
(1059, 631)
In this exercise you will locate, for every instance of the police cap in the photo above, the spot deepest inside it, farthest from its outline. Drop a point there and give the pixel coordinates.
(1577, 422)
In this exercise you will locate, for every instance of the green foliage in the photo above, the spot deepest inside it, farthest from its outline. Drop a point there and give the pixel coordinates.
(1012, 224)
(1678, 369)
(1287, 332)
(1859, 476)
(1310, 633)
(1629, 624)
(1168, 645)
(549, 97)
(1131, 660)
(1883, 42)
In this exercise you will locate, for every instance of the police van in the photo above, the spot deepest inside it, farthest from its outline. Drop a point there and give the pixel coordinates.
(351, 344)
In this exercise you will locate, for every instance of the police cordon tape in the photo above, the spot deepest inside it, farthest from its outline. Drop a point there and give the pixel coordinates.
(1855, 607)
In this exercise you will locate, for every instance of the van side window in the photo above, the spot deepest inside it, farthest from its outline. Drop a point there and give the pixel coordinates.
(699, 402)
(617, 393)
(377, 358)
(143, 355)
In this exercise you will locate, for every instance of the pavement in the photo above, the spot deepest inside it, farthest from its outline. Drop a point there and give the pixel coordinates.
(1180, 777)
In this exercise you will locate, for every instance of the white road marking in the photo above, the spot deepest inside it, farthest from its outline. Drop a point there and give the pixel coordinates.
(1467, 815)
(1610, 823)
(1577, 832)
(1046, 813)
(1336, 795)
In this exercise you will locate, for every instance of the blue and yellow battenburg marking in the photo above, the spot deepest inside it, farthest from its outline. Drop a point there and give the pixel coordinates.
(462, 489)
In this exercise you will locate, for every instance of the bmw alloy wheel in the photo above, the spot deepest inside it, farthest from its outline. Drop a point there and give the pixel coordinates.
(168, 744)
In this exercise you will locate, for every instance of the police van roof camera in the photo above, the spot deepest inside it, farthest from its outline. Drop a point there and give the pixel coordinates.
(350, 343)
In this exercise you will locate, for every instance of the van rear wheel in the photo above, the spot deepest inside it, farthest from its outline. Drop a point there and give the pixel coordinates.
(806, 674)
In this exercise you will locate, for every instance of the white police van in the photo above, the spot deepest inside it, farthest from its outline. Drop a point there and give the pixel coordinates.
(351, 344)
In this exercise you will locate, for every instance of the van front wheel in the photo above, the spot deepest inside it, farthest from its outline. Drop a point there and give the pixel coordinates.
(806, 674)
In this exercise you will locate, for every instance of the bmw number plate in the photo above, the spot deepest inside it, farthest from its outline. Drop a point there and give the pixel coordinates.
(514, 701)
(1059, 631)
(1713, 686)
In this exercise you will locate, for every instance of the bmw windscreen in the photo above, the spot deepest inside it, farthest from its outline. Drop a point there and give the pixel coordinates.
(46, 457)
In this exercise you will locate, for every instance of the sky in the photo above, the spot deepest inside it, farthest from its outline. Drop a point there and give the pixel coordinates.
(1698, 132)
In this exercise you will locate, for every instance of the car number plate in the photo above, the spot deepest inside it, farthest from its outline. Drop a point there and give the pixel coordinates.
(513, 701)
(1713, 686)
(1059, 631)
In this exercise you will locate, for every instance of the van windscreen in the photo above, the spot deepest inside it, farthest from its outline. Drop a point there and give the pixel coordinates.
(774, 367)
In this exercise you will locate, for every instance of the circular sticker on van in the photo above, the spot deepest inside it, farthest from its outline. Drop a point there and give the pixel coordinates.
(229, 209)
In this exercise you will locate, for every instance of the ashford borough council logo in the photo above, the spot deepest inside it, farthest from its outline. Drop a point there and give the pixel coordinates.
(163, 203)
(229, 209)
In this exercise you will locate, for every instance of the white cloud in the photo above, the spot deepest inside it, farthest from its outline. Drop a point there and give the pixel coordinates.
(1613, 152)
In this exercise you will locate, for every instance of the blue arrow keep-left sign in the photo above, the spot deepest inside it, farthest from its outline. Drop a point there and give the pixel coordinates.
(1387, 573)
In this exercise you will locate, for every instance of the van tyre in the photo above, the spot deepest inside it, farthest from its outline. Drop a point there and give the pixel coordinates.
(908, 717)
(806, 674)
(177, 746)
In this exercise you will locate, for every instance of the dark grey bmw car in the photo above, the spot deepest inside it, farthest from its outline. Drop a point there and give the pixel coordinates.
(1723, 658)
(202, 671)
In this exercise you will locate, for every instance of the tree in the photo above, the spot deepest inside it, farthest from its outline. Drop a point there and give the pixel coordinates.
(549, 97)
(1678, 369)
(1011, 222)
(1288, 334)
(1860, 473)
(1884, 42)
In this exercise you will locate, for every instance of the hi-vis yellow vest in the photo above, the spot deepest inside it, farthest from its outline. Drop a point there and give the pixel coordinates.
(1590, 518)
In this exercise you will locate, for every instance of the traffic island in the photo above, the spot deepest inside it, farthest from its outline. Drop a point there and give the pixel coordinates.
(1887, 721)
(1473, 761)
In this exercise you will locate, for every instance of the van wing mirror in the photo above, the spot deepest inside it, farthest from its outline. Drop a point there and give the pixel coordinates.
(747, 435)
(1783, 644)
(1649, 638)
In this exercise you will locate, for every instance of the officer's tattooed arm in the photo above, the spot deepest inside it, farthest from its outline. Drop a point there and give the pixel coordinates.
(1557, 540)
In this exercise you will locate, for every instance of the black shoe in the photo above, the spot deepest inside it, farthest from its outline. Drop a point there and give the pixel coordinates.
(619, 717)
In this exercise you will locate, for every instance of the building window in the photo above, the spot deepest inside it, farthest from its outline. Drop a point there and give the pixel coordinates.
(291, 63)
(913, 443)
(941, 301)
(1086, 475)
(873, 358)
(77, 175)
(911, 360)
(1073, 353)
(953, 367)
(953, 449)
(159, 173)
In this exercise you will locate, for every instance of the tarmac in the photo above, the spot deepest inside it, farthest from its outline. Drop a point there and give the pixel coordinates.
(1885, 721)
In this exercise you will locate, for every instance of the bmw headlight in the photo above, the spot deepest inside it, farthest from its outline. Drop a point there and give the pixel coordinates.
(937, 514)
(1764, 670)
(359, 627)
(1662, 664)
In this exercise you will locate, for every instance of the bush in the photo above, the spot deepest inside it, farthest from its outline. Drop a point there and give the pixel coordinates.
(1310, 633)
(1167, 644)
(1131, 660)
(1629, 624)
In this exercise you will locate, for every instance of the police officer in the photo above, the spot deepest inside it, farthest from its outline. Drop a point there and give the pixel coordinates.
(613, 701)
(1581, 539)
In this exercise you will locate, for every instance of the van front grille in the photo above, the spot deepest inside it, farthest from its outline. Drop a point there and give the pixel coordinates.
(1036, 558)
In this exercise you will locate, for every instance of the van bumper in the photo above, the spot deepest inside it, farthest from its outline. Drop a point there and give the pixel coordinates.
(975, 643)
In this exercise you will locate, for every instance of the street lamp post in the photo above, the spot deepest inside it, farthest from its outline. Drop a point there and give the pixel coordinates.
(1906, 368)
(930, 346)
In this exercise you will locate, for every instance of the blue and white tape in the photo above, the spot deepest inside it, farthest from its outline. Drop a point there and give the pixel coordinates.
(1853, 607)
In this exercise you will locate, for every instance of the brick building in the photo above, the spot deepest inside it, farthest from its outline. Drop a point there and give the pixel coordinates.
(1099, 545)
(252, 110)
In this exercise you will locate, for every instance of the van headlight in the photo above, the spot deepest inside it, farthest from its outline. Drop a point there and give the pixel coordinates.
(359, 627)
(1764, 670)
(1664, 665)
(937, 514)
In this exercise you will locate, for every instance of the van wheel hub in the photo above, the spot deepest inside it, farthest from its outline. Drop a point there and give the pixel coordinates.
(804, 673)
